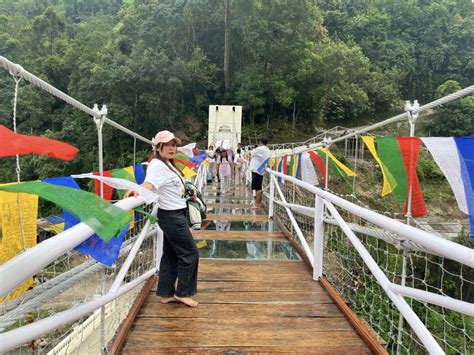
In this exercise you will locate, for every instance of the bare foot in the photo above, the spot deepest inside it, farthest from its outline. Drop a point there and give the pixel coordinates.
(187, 301)
(168, 300)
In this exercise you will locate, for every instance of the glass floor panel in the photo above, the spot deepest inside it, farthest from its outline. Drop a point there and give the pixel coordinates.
(236, 211)
(228, 200)
(268, 226)
(249, 250)
(233, 193)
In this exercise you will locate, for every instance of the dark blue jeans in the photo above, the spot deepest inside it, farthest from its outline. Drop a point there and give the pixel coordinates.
(180, 256)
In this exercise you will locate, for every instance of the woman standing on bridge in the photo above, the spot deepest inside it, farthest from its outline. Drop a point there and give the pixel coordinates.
(180, 255)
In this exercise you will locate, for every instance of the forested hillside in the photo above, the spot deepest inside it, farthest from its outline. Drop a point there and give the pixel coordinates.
(292, 65)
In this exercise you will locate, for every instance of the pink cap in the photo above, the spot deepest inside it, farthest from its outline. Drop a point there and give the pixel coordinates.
(165, 137)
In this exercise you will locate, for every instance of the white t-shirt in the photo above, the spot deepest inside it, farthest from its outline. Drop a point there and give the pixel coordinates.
(166, 184)
(238, 159)
(259, 155)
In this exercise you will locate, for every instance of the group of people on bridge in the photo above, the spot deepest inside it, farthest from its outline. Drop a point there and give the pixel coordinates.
(227, 166)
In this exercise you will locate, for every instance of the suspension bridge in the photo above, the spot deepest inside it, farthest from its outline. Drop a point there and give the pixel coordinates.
(314, 271)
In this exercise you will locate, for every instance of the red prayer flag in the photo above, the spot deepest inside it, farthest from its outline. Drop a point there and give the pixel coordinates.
(108, 190)
(285, 158)
(410, 148)
(319, 163)
(12, 143)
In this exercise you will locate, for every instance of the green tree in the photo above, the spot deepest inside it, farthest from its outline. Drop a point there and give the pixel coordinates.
(453, 119)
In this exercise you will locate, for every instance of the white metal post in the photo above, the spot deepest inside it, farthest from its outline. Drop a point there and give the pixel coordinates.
(272, 197)
(356, 154)
(99, 122)
(318, 249)
(159, 246)
(327, 144)
(133, 252)
(412, 114)
(412, 117)
(400, 319)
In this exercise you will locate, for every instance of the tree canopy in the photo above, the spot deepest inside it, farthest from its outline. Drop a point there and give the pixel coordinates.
(158, 64)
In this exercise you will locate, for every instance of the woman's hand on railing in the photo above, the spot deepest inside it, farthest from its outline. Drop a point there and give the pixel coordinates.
(130, 193)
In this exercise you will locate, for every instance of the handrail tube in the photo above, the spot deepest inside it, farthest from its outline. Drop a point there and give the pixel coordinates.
(17, 70)
(13, 338)
(370, 231)
(300, 235)
(440, 246)
(14, 272)
(136, 246)
(415, 323)
(307, 211)
(430, 297)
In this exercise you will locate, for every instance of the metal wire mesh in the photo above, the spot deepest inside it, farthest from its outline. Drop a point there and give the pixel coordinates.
(71, 280)
(348, 274)
(346, 271)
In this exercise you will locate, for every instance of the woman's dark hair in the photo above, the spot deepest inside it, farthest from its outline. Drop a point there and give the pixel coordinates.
(156, 155)
(239, 150)
(226, 154)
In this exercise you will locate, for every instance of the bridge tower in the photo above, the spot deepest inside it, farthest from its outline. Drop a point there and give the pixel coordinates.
(225, 123)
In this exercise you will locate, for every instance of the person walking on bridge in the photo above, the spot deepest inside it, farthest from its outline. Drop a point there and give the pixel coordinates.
(180, 255)
(259, 157)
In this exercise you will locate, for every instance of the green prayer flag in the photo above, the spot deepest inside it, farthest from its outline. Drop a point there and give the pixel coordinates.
(290, 167)
(153, 219)
(389, 153)
(182, 156)
(122, 174)
(105, 219)
(334, 166)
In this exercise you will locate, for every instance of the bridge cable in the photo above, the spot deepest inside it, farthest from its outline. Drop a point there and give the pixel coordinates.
(18, 169)
(18, 70)
(134, 151)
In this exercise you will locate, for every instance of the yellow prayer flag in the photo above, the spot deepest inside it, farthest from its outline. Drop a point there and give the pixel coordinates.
(188, 173)
(389, 182)
(273, 164)
(344, 168)
(131, 171)
(201, 244)
(18, 231)
(57, 228)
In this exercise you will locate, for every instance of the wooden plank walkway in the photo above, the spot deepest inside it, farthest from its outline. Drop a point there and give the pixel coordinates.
(245, 306)
(238, 235)
(237, 217)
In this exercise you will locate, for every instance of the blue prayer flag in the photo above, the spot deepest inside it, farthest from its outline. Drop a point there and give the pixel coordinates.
(139, 173)
(262, 167)
(465, 147)
(298, 168)
(104, 252)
